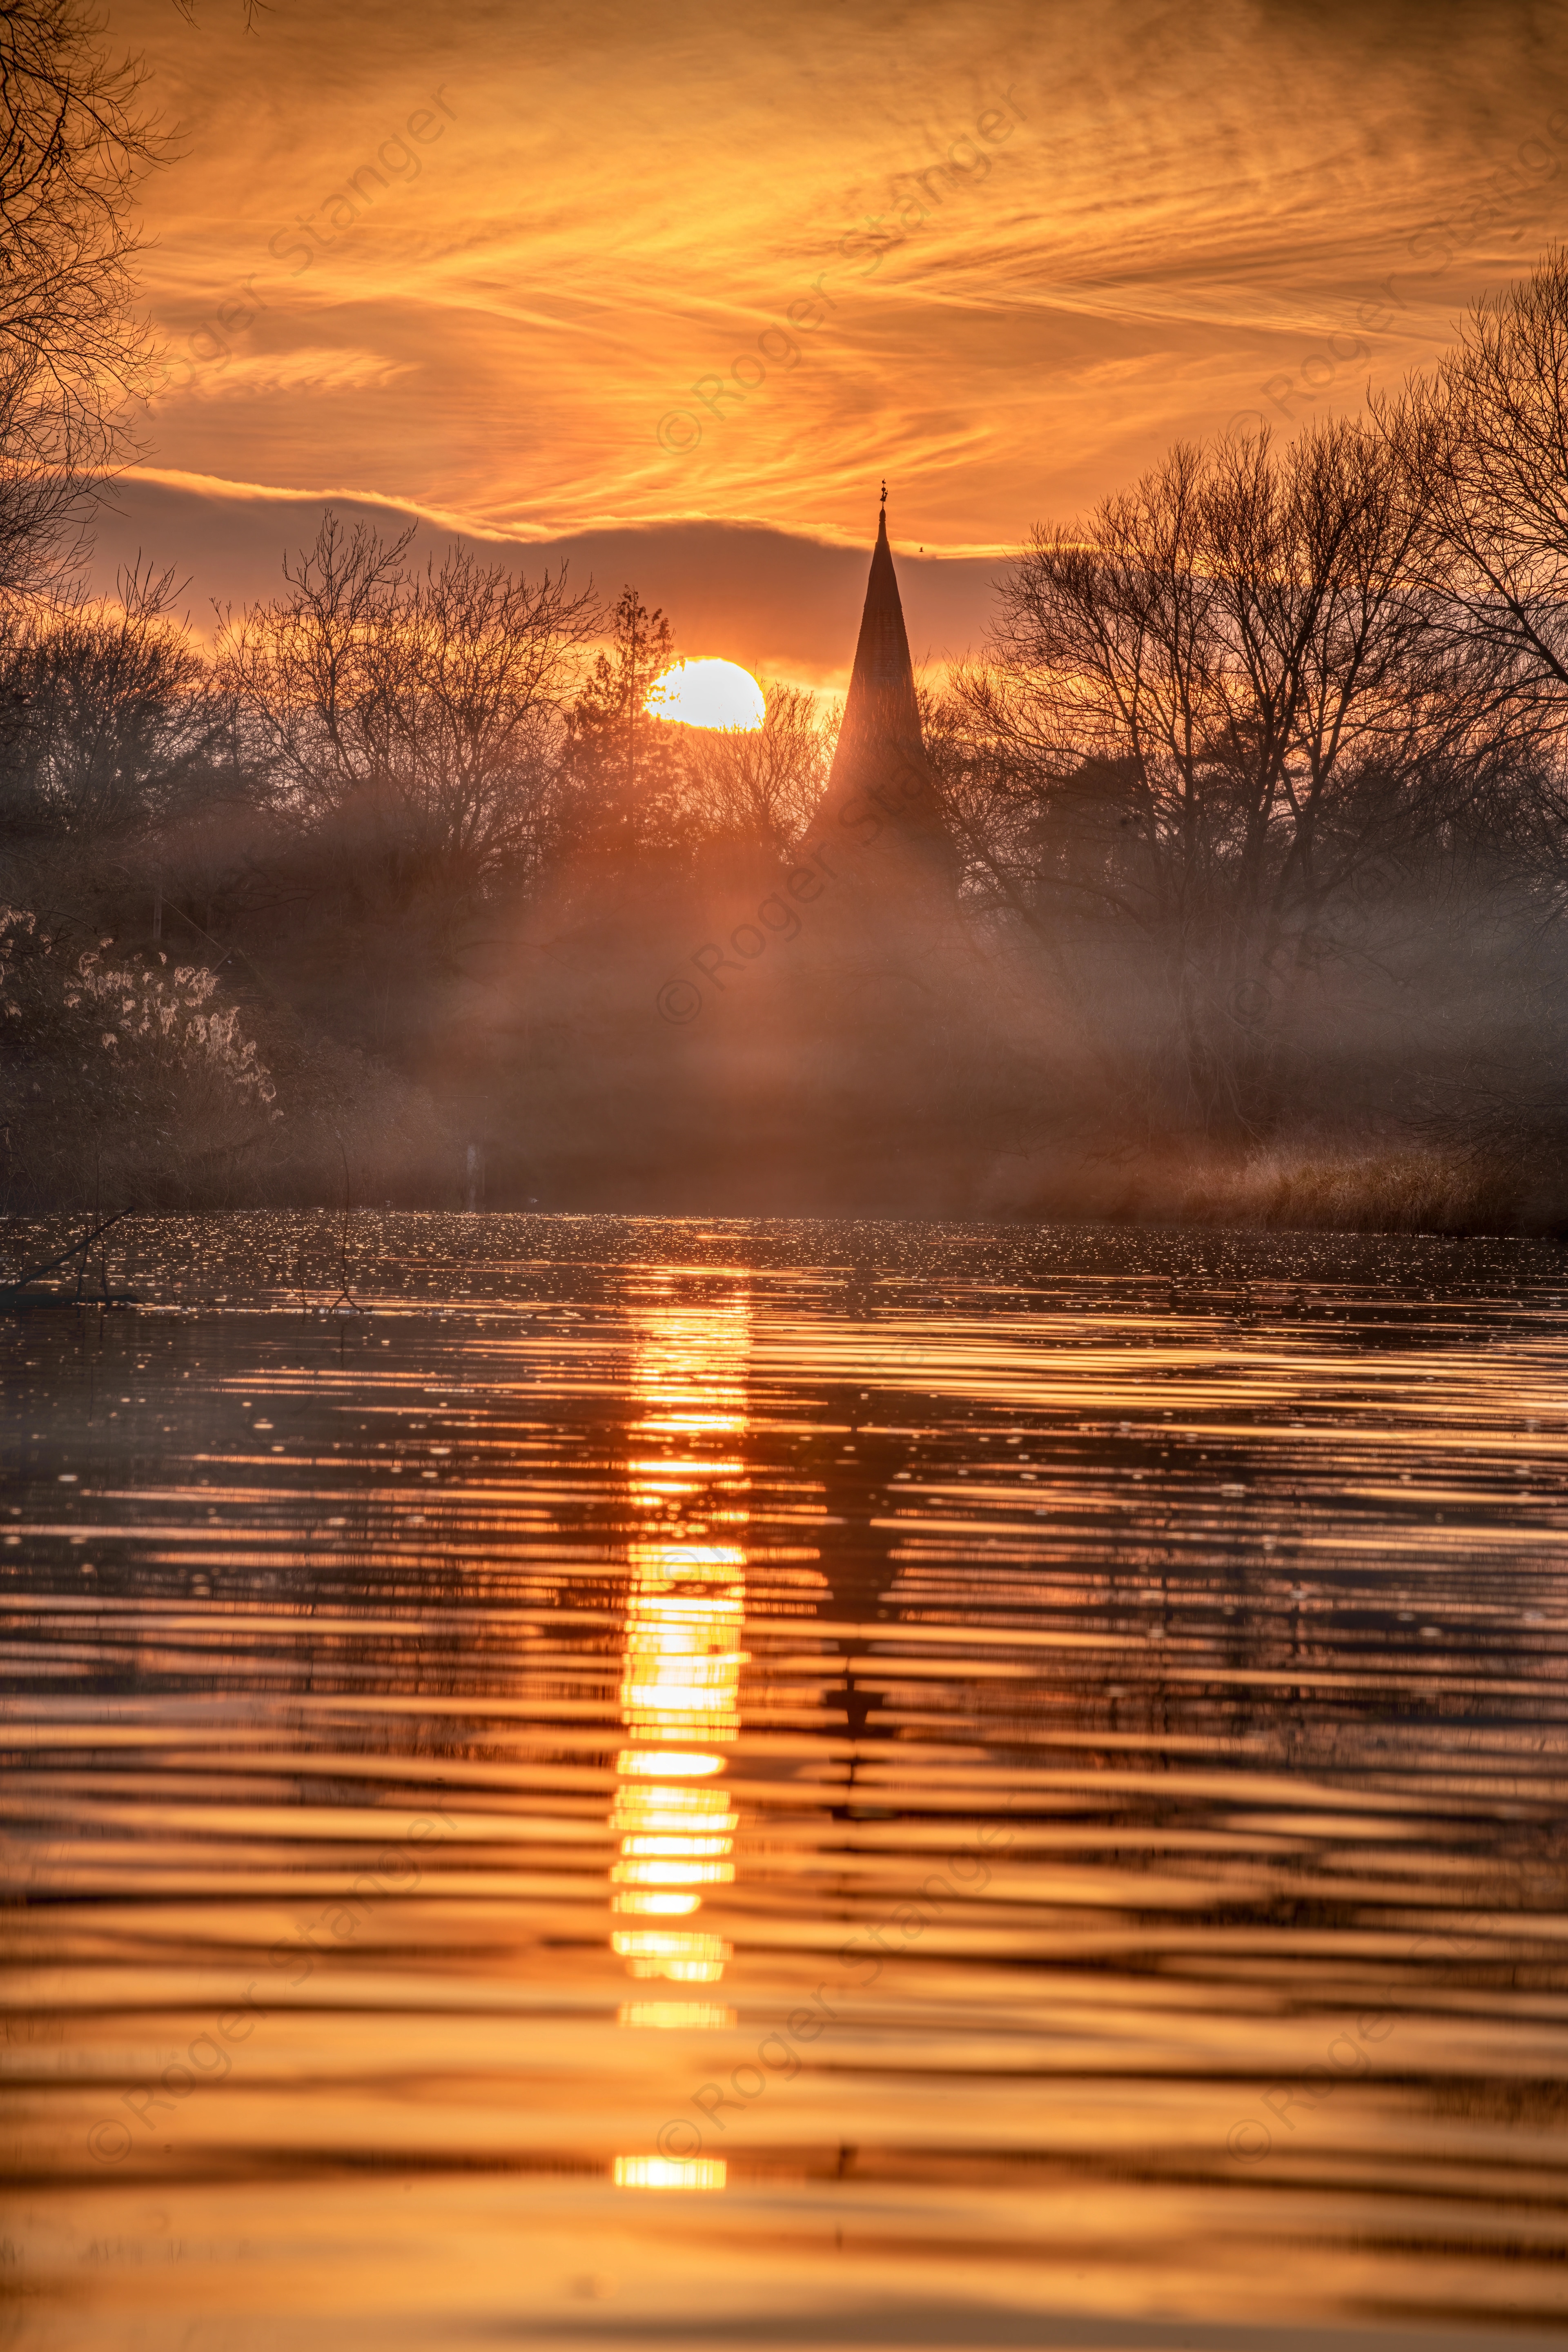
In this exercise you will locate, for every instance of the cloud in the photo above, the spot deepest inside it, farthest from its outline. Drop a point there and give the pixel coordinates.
(778, 602)
(233, 376)
(650, 274)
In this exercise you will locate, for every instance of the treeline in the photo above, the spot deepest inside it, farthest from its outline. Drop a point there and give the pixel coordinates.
(1266, 754)
(244, 882)
(1256, 792)
(325, 815)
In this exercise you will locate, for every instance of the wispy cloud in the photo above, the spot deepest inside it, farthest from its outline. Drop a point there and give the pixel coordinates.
(622, 203)
(310, 369)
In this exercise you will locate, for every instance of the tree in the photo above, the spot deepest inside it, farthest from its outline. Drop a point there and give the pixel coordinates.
(1491, 426)
(1204, 712)
(418, 712)
(73, 144)
(108, 724)
(125, 1071)
(474, 679)
(624, 767)
(760, 783)
(305, 669)
(1488, 433)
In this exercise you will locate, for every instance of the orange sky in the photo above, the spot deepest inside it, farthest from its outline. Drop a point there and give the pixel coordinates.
(675, 286)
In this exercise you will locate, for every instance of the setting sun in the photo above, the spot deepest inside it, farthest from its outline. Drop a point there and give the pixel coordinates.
(708, 694)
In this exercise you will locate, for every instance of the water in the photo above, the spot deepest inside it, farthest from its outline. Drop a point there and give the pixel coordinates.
(598, 1782)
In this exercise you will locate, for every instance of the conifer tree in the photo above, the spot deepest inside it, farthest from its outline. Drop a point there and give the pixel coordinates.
(625, 767)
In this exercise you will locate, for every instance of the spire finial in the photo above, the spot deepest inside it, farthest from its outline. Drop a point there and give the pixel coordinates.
(884, 489)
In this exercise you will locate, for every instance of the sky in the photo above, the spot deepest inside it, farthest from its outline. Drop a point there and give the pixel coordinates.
(670, 291)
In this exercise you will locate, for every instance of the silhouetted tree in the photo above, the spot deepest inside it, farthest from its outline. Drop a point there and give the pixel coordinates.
(1207, 710)
(413, 716)
(1488, 431)
(759, 784)
(624, 767)
(73, 143)
(106, 714)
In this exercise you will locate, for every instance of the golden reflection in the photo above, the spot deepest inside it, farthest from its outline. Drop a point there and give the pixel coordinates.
(670, 2172)
(685, 1959)
(680, 1675)
(680, 1679)
(675, 2016)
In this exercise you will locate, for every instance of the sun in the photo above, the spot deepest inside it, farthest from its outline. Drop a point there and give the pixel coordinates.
(706, 694)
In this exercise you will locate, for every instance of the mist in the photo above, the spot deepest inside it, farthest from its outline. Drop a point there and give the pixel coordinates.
(1223, 881)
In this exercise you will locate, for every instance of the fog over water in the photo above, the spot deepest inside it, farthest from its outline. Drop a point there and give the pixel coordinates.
(617, 1782)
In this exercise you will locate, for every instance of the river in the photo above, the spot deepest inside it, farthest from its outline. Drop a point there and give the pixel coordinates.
(603, 1782)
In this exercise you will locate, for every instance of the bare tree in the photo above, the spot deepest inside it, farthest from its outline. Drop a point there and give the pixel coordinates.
(1488, 433)
(305, 670)
(472, 681)
(420, 708)
(1491, 429)
(1487, 436)
(108, 720)
(761, 783)
(1204, 711)
(73, 144)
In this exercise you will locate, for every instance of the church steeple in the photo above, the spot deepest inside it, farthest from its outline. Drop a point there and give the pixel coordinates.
(879, 765)
(883, 671)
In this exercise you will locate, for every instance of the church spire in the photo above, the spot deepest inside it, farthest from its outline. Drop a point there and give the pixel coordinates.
(879, 767)
(883, 678)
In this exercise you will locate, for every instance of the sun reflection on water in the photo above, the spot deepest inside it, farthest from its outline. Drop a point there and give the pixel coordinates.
(670, 2172)
(680, 1676)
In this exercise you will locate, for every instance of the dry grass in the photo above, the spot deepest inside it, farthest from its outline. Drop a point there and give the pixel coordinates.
(1391, 1189)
